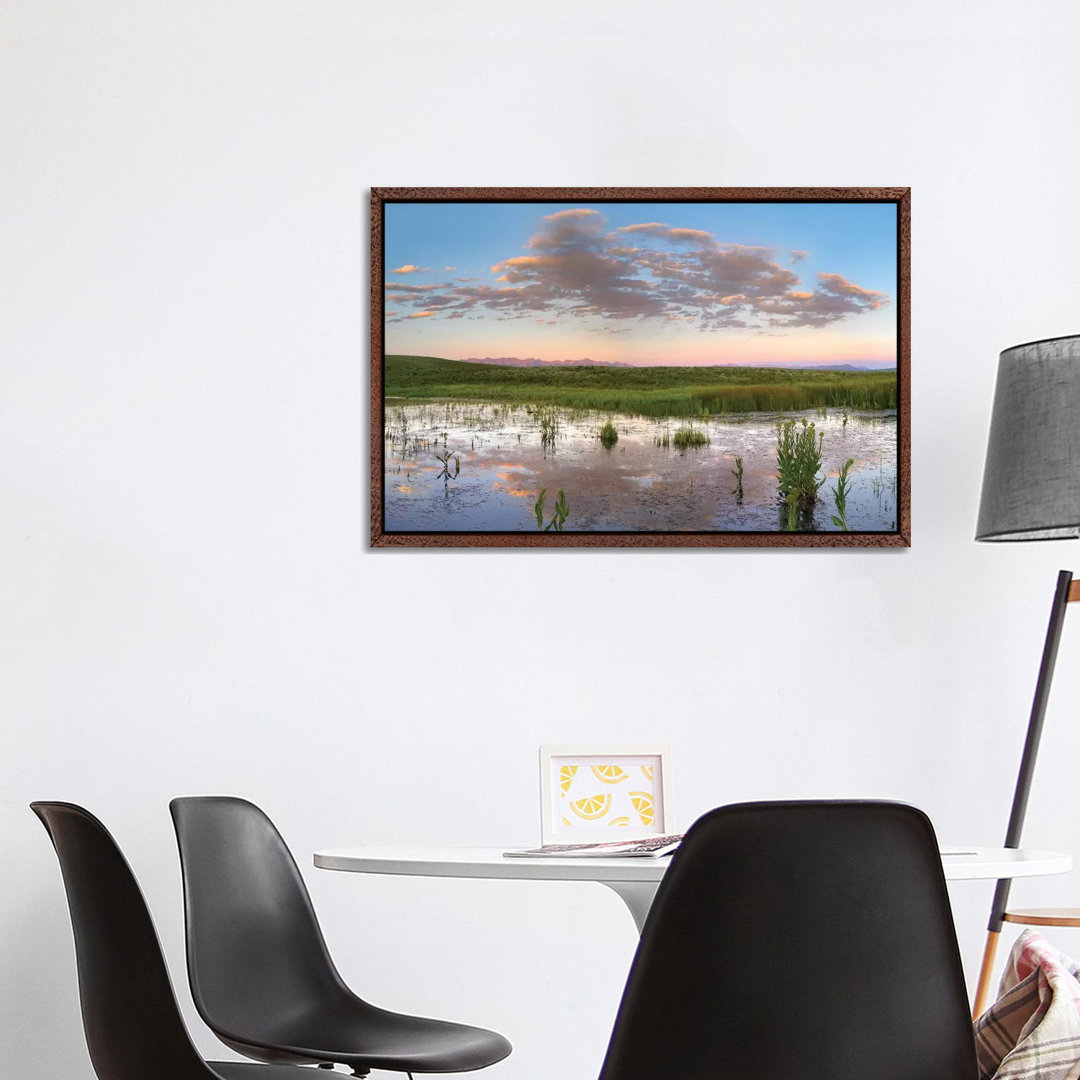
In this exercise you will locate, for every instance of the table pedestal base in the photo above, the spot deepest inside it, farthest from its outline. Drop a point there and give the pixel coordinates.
(637, 896)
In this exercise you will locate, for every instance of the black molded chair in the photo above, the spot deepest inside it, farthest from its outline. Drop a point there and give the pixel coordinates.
(798, 941)
(259, 969)
(133, 1026)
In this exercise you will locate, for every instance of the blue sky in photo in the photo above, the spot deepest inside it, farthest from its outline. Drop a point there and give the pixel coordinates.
(662, 282)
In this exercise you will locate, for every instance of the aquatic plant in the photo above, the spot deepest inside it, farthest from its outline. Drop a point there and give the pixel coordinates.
(737, 472)
(444, 459)
(840, 494)
(549, 428)
(560, 512)
(791, 507)
(798, 459)
(608, 435)
(688, 436)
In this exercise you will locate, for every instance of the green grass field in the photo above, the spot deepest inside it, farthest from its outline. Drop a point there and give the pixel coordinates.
(642, 391)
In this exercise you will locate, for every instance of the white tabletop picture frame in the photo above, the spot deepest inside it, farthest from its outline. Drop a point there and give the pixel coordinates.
(596, 793)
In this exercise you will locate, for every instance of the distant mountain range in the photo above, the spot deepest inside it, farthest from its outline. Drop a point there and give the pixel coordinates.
(853, 367)
(533, 361)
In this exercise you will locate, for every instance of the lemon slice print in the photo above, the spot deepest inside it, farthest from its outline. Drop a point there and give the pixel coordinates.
(643, 804)
(566, 777)
(624, 820)
(646, 771)
(609, 774)
(592, 807)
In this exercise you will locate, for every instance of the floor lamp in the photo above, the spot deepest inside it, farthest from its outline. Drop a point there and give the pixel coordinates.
(1031, 491)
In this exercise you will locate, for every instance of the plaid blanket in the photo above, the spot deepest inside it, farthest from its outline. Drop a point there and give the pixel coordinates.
(1032, 1031)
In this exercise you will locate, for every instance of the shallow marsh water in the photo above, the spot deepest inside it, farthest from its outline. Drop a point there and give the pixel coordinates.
(502, 463)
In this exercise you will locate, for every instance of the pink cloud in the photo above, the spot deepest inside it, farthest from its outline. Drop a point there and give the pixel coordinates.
(838, 285)
(676, 235)
(402, 289)
(576, 212)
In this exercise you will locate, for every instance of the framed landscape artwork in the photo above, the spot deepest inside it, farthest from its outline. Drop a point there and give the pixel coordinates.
(562, 367)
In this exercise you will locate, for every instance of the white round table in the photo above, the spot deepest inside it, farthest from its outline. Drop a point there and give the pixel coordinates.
(636, 879)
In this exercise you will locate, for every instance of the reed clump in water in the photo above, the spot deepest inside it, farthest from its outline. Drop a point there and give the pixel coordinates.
(560, 512)
(798, 461)
(549, 428)
(737, 472)
(840, 494)
(687, 437)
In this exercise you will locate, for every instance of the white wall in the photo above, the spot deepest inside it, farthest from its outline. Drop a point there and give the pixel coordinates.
(187, 601)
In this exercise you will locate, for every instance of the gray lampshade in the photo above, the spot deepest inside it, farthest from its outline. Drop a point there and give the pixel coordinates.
(1031, 484)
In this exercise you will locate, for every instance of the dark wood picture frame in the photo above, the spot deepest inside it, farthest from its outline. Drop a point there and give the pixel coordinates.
(900, 536)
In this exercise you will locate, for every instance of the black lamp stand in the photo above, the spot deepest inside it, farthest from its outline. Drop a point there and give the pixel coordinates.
(1064, 593)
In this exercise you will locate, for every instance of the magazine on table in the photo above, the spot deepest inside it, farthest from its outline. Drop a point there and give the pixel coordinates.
(649, 847)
